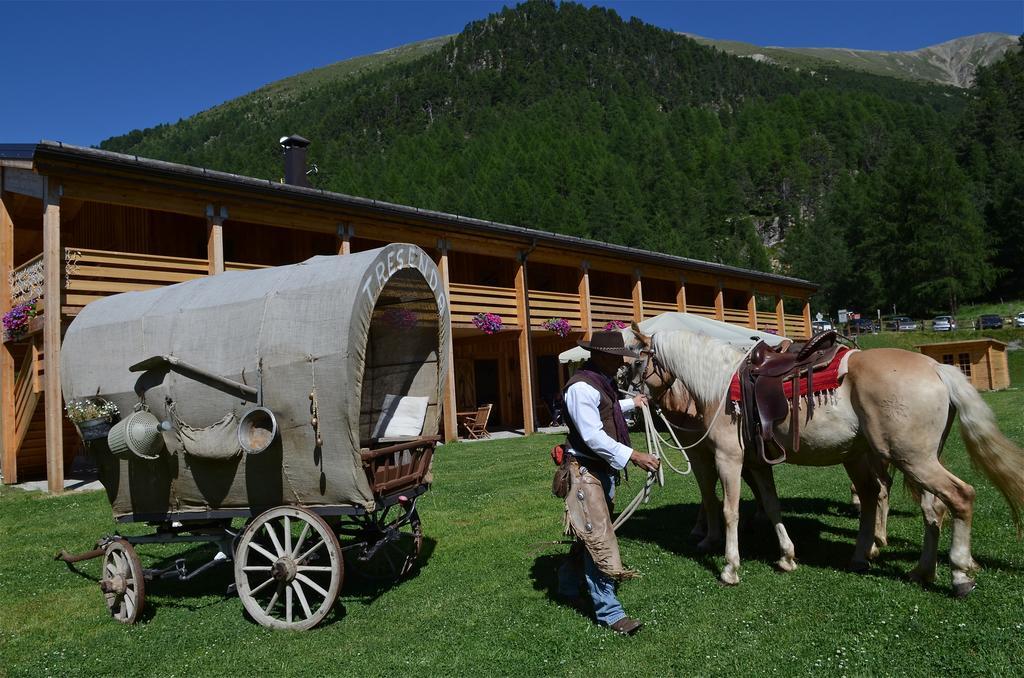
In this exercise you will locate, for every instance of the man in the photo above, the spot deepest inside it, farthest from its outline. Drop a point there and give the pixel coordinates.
(598, 448)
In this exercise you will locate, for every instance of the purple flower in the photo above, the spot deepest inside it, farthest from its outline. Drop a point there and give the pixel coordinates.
(16, 320)
(559, 326)
(488, 323)
(614, 325)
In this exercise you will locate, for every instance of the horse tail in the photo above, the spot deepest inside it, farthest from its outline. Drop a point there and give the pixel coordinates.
(989, 449)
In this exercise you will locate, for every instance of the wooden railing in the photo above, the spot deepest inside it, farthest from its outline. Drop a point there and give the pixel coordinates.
(655, 308)
(547, 305)
(795, 328)
(706, 311)
(93, 274)
(468, 300)
(603, 310)
(768, 324)
(27, 387)
(737, 316)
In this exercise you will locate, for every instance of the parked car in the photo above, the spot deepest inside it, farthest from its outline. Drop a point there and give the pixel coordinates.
(988, 322)
(1019, 320)
(862, 326)
(819, 326)
(943, 323)
(901, 323)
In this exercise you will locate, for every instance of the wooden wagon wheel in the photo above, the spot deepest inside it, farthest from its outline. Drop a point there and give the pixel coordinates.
(390, 548)
(288, 568)
(123, 583)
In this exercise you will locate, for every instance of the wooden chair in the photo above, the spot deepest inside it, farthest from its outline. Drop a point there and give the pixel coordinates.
(476, 423)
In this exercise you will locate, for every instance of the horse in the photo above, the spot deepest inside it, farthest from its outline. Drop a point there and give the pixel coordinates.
(893, 407)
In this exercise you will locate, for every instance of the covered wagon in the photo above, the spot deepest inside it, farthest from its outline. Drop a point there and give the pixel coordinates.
(304, 399)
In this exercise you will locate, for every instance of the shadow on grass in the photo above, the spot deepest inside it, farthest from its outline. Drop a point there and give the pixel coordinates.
(214, 586)
(819, 544)
(544, 575)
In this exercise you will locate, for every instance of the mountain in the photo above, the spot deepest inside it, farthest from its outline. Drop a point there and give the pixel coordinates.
(570, 119)
(954, 62)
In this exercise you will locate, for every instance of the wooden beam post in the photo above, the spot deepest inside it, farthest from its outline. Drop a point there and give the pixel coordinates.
(780, 315)
(448, 408)
(681, 295)
(9, 455)
(215, 238)
(586, 321)
(347, 230)
(752, 310)
(719, 302)
(638, 297)
(807, 319)
(53, 268)
(525, 352)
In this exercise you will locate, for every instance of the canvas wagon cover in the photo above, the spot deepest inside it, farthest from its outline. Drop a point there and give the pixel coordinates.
(338, 334)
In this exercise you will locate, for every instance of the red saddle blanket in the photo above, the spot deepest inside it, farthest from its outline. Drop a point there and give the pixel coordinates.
(825, 379)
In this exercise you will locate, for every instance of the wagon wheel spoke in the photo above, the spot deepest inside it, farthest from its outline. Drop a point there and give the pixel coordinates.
(306, 555)
(273, 537)
(302, 599)
(260, 587)
(273, 599)
(302, 538)
(277, 593)
(262, 551)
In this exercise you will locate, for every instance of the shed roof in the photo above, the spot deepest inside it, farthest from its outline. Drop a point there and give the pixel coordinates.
(965, 342)
(55, 152)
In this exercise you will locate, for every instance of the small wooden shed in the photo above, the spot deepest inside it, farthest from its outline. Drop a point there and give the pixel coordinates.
(983, 361)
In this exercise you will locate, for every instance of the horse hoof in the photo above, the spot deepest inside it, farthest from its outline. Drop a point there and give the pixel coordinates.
(728, 578)
(962, 589)
(873, 552)
(786, 564)
(859, 566)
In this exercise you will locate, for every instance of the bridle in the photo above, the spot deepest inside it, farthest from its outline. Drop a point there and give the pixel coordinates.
(649, 366)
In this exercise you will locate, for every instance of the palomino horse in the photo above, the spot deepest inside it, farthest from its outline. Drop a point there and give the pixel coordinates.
(893, 406)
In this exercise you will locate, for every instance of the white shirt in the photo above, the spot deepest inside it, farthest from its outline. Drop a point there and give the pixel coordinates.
(582, 402)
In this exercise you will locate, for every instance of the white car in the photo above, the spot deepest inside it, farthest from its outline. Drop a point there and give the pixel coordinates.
(1019, 320)
(943, 323)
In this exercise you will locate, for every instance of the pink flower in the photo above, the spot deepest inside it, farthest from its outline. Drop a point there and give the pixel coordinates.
(614, 325)
(488, 323)
(559, 326)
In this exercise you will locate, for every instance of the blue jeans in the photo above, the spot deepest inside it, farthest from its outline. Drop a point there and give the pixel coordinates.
(607, 607)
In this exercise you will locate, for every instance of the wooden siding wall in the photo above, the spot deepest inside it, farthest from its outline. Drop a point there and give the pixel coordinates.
(272, 246)
(551, 278)
(130, 229)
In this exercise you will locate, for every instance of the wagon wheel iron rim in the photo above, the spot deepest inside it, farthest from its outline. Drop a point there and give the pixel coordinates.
(123, 583)
(288, 568)
(389, 550)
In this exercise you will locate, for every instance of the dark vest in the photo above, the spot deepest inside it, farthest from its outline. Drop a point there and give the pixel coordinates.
(606, 410)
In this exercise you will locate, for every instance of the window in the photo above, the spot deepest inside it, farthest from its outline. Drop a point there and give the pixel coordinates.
(964, 360)
(947, 359)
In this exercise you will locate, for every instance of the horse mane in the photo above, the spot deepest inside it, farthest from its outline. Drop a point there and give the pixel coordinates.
(703, 364)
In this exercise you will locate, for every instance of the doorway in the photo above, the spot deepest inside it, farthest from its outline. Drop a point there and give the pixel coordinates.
(485, 373)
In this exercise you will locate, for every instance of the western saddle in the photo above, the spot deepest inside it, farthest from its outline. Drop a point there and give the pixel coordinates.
(763, 401)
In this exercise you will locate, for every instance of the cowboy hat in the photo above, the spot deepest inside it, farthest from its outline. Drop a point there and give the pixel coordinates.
(608, 342)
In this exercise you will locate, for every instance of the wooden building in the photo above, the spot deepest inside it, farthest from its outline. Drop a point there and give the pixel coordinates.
(983, 361)
(77, 224)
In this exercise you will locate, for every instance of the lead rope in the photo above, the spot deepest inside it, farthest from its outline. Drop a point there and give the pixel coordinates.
(654, 443)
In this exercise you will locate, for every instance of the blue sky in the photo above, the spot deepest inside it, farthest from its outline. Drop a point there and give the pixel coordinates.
(80, 72)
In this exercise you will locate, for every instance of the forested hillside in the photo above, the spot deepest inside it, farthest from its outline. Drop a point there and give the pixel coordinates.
(570, 119)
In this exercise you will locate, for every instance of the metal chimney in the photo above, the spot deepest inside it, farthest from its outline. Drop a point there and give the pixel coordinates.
(295, 160)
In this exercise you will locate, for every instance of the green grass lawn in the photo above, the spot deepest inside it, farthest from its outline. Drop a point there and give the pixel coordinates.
(481, 603)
